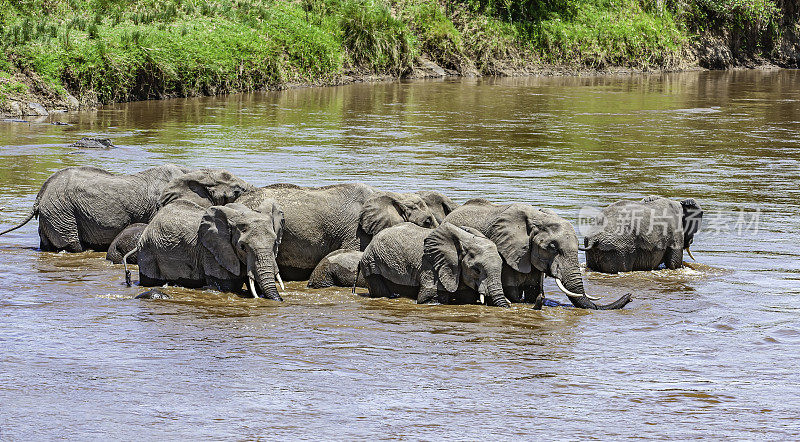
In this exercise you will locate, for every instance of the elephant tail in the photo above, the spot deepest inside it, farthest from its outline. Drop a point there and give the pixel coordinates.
(34, 212)
(355, 280)
(125, 265)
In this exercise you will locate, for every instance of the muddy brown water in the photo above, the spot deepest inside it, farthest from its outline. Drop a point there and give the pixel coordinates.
(706, 352)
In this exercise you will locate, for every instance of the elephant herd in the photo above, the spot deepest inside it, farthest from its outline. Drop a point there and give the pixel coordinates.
(209, 228)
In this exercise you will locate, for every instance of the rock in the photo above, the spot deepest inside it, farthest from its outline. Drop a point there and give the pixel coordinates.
(425, 68)
(433, 67)
(72, 102)
(93, 143)
(15, 109)
(37, 109)
(153, 294)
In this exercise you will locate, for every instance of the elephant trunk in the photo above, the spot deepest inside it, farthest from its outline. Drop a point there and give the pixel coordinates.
(493, 289)
(261, 271)
(571, 283)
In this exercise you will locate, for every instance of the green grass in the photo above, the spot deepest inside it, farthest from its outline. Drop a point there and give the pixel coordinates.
(10, 87)
(620, 35)
(119, 50)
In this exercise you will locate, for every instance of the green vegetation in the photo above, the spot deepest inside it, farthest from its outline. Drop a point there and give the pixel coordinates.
(119, 50)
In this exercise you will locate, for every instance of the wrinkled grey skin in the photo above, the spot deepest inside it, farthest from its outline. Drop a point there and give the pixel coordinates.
(337, 269)
(440, 204)
(320, 220)
(449, 265)
(533, 243)
(85, 208)
(219, 246)
(642, 235)
(124, 243)
(206, 188)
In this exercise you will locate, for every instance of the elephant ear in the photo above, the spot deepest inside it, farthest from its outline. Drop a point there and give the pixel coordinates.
(511, 232)
(215, 235)
(269, 206)
(475, 232)
(442, 251)
(438, 202)
(189, 185)
(381, 211)
(692, 217)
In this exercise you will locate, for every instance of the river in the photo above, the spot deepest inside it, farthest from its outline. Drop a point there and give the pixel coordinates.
(710, 351)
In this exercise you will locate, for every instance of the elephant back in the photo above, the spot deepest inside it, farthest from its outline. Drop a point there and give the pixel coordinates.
(476, 213)
(169, 248)
(396, 254)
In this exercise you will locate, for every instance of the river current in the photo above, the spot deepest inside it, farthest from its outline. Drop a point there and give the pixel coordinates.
(705, 351)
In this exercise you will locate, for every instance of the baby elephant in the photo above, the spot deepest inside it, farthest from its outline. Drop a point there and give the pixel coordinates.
(449, 265)
(337, 269)
(124, 243)
(221, 246)
(642, 235)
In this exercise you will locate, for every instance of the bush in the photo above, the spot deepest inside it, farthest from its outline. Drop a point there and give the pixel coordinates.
(374, 38)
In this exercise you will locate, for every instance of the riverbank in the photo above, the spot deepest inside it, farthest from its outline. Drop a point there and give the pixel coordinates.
(66, 55)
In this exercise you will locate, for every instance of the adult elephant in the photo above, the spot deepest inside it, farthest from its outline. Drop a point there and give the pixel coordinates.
(85, 208)
(642, 235)
(224, 247)
(320, 220)
(448, 265)
(337, 269)
(533, 243)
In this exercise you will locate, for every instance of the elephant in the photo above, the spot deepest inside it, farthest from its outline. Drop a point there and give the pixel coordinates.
(204, 187)
(124, 243)
(337, 269)
(447, 265)
(440, 204)
(224, 247)
(320, 220)
(533, 243)
(85, 208)
(642, 235)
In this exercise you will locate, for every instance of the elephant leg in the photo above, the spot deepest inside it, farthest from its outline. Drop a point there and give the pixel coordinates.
(514, 293)
(377, 287)
(534, 292)
(533, 289)
(428, 295)
(673, 258)
(62, 235)
(44, 244)
(146, 281)
(225, 285)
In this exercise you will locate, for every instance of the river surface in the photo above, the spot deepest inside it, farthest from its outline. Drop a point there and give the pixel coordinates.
(710, 351)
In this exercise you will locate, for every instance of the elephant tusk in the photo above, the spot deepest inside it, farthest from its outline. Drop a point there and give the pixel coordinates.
(280, 281)
(570, 294)
(482, 299)
(690, 254)
(252, 284)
